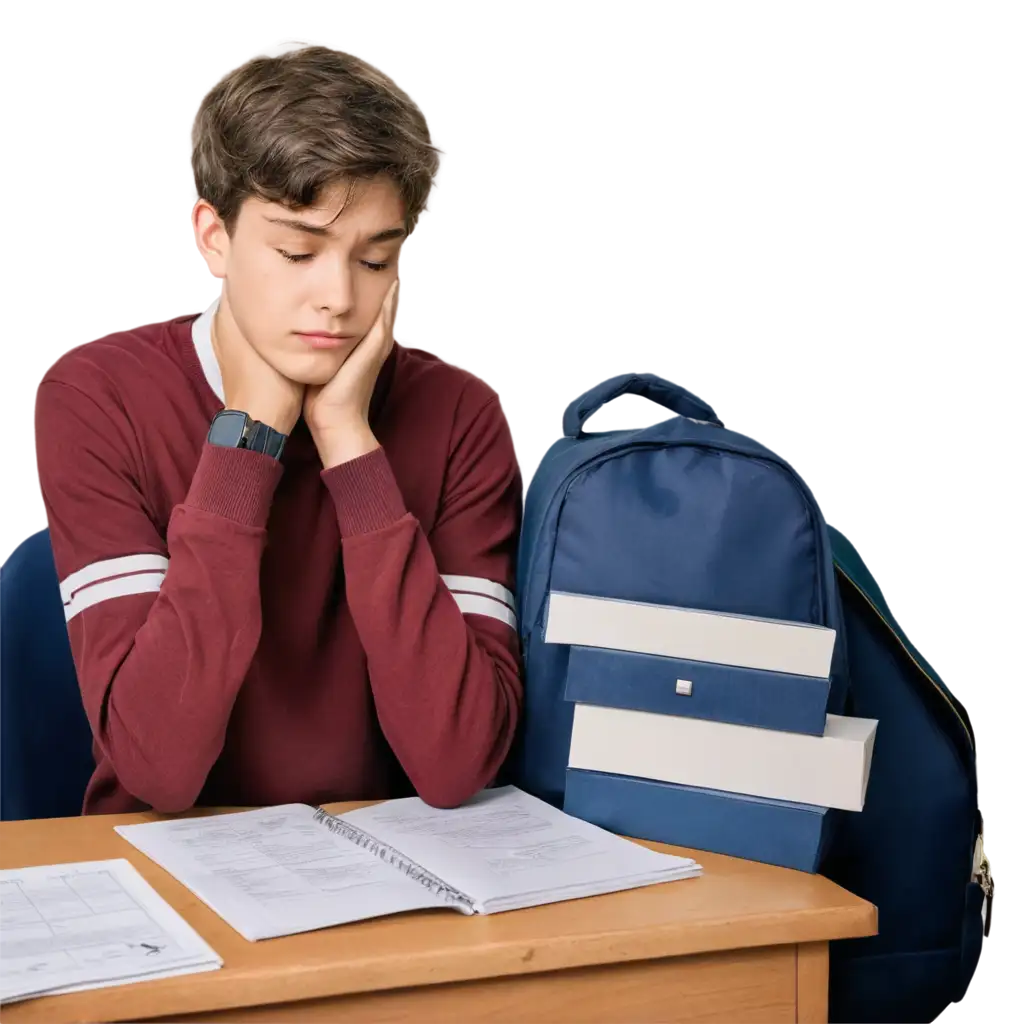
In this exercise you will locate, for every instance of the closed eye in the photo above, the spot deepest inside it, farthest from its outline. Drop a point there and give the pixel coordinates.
(296, 257)
(305, 257)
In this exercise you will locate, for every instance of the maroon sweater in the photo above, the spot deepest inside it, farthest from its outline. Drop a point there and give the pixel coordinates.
(248, 631)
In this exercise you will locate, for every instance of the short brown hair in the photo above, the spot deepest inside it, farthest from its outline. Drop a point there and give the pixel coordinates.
(282, 128)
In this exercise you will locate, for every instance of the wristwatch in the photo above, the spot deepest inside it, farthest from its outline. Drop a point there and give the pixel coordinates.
(232, 428)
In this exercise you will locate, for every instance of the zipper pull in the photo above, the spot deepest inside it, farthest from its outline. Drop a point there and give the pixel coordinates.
(983, 866)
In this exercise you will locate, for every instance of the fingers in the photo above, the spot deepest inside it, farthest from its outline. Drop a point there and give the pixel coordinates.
(386, 320)
(385, 316)
(376, 344)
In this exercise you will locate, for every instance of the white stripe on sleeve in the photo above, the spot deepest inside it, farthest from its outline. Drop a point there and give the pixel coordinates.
(480, 605)
(476, 585)
(140, 583)
(109, 567)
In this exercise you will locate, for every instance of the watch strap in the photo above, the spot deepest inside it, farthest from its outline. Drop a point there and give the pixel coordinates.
(263, 438)
(233, 428)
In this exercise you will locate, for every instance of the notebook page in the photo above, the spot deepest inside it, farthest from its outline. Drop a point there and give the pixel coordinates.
(65, 927)
(508, 849)
(276, 871)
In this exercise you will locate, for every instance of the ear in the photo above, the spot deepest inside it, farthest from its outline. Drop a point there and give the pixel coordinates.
(211, 237)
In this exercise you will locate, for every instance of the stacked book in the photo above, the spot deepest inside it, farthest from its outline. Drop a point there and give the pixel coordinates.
(707, 729)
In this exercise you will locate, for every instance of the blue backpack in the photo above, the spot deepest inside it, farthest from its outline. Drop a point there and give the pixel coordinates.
(688, 513)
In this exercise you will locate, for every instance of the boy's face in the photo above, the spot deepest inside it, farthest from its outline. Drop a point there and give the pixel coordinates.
(334, 287)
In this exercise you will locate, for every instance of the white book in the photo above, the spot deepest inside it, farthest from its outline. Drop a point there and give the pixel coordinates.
(294, 868)
(747, 641)
(826, 771)
(90, 924)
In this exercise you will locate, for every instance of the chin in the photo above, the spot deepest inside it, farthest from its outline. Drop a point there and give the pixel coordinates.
(314, 368)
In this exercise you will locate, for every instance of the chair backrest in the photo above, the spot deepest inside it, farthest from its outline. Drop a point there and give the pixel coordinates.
(45, 739)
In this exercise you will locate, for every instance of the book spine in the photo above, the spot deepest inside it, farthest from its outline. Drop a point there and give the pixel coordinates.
(395, 858)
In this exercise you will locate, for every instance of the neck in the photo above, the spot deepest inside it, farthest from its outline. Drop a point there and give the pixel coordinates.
(221, 319)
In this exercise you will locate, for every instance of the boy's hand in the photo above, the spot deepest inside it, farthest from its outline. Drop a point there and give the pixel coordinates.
(254, 386)
(337, 413)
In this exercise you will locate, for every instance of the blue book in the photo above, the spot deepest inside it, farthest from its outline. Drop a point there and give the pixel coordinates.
(697, 689)
(790, 835)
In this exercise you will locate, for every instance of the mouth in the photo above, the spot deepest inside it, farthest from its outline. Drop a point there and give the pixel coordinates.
(326, 340)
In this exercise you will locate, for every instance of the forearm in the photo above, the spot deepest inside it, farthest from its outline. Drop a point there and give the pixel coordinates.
(160, 705)
(447, 692)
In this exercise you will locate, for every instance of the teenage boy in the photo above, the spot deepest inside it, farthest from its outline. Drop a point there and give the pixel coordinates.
(286, 543)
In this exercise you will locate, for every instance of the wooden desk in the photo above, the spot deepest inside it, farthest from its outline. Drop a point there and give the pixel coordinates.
(745, 942)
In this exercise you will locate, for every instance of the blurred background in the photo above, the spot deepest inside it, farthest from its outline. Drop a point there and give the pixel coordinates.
(808, 214)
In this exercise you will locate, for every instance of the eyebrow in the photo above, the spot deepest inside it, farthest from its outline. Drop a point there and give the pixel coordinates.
(312, 229)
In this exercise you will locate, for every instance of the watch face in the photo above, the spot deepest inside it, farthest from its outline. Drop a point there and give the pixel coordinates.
(228, 428)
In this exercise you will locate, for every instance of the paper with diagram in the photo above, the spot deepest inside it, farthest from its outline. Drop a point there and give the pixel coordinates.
(65, 927)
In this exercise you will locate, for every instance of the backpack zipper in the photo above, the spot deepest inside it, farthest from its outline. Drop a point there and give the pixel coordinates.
(983, 867)
(982, 863)
(906, 650)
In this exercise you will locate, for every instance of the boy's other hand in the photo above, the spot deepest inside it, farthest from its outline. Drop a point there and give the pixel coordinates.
(337, 413)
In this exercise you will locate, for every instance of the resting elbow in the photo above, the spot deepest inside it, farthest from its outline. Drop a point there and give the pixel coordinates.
(168, 795)
(446, 793)
(444, 799)
(173, 802)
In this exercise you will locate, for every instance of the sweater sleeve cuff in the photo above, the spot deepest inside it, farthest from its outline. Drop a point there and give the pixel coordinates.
(365, 492)
(235, 483)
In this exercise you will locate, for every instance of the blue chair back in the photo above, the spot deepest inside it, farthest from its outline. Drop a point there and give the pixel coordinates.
(45, 739)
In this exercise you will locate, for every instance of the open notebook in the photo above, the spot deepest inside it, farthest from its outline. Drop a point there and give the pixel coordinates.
(90, 924)
(293, 868)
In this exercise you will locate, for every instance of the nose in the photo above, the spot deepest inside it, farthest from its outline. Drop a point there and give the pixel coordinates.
(335, 285)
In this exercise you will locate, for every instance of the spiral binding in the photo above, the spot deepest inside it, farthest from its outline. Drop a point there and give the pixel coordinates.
(391, 856)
